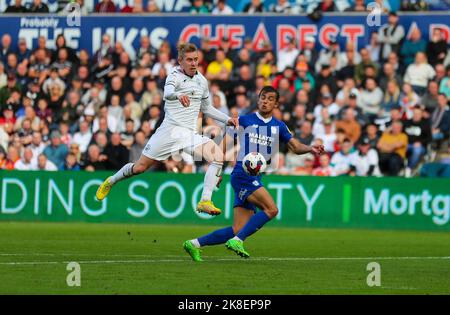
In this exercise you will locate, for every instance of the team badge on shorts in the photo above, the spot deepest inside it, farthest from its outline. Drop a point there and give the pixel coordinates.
(242, 193)
(255, 182)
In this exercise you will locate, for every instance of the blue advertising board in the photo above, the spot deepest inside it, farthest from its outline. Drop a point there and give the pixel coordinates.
(263, 28)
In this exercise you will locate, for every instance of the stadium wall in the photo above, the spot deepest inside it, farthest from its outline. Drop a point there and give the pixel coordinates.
(128, 29)
(354, 202)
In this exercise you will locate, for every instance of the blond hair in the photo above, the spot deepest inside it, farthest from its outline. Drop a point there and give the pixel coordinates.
(184, 48)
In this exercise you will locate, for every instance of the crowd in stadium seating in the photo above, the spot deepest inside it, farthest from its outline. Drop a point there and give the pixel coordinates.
(378, 110)
(220, 7)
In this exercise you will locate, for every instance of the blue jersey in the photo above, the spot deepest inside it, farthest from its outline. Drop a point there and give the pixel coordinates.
(256, 134)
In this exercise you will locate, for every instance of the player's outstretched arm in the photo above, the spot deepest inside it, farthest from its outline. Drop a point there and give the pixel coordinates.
(211, 111)
(299, 148)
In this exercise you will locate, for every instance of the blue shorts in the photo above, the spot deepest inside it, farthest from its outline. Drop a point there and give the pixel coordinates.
(244, 185)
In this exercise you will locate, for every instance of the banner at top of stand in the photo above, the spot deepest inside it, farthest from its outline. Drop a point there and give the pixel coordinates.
(260, 29)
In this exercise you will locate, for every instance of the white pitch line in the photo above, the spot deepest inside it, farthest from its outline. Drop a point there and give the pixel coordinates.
(145, 261)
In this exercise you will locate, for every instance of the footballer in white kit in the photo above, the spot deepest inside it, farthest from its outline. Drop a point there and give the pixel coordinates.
(186, 93)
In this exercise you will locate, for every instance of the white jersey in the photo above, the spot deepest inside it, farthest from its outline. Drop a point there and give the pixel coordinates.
(196, 88)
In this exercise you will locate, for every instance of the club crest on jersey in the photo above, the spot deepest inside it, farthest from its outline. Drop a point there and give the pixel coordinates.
(273, 129)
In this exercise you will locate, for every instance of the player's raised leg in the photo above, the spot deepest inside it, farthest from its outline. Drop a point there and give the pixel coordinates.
(193, 247)
(264, 201)
(128, 170)
(212, 153)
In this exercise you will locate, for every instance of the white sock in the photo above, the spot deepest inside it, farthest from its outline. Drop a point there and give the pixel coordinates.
(195, 243)
(124, 172)
(237, 238)
(212, 176)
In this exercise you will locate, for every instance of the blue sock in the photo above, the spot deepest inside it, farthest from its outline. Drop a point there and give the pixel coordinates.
(217, 237)
(254, 224)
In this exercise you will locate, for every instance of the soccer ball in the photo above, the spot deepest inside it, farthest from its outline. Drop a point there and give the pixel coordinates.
(254, 163)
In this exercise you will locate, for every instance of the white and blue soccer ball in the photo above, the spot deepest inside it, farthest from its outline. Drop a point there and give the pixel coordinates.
(254, 163)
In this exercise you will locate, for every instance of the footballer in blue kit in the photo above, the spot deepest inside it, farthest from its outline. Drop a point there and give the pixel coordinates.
(259, 132)
(259, 135)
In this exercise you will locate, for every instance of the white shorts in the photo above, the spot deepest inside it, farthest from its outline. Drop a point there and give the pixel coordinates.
(169, 139)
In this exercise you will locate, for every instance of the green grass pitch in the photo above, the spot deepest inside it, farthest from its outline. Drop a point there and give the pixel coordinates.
(148, 259)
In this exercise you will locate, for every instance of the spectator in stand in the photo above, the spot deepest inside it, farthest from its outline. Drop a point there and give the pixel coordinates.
(306, 136)
(419, 73)
(71, 163)
(23, 53)
(412, 46)
(6, 48)
(371, 133)
(17, 7)
(325, 169)
(222, 8)
(254, 6)
(117, 154)
(138, 146)
(38, 7)
(287, 56)
(418, 130)
(309, 51)
(430, 98)
(328, 103)
(282, 6)
(360, 69)
(106, 48)
(408, 100)
(220, 68)
(307, 168)
(326, 54)
(389, 74)
(374, 47)
(44, 164)
(152, 7)
(105, 6)
(440, 119)
(390, 36)
(56, 151)
(7, 92)
(3, 159)
(95, 161)
(343, 160)
(326, 77)
(350, 126)
(198, 6)
(392, 148)
(437, 47)
(365, 162)
(370, 99)
(444, 86)
(26, 162)
(391, 98)
(440, 73)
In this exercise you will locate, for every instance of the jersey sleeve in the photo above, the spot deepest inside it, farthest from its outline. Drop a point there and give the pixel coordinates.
(285, 133)
(171, 80)
(205, 90)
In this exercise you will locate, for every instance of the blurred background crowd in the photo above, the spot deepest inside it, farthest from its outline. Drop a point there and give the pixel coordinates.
(379, 110)
(222, 7)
